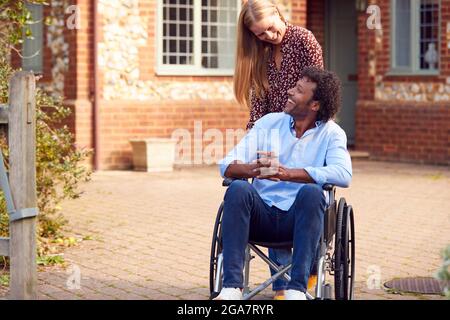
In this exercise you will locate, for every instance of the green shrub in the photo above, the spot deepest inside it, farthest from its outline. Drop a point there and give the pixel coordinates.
(59, 164)
(15, 21)
(444, 272)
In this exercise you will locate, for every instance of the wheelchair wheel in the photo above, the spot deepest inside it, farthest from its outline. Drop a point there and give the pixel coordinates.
(344, 260)
(216, 253)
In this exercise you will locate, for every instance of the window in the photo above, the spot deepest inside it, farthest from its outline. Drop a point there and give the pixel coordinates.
(197, 37)
(415, 36)
(32, 47)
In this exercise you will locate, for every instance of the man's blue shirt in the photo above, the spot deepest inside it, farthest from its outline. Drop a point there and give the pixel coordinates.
(321, 151)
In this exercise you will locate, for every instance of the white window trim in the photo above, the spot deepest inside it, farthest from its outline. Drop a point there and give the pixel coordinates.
(415, 46)
(186, 70)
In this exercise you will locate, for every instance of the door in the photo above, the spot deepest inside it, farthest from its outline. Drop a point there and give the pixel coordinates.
(341, 56)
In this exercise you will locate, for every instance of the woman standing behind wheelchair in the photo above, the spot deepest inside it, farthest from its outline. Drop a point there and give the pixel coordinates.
(271, 53)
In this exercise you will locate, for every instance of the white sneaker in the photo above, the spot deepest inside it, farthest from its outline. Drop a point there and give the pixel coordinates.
(294, 295)
(229, 294)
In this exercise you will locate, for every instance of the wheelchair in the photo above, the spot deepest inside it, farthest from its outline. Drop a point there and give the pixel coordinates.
(336, 256)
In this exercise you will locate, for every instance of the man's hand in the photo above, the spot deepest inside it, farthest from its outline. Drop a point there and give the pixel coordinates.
(283, 174)
(287, 174)
(261, 163)
(267, 163)
(240, 170)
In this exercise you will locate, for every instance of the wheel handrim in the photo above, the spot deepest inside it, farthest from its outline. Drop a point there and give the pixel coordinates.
(216, 248)
(351, 278)
(339, 252)
(345, 258)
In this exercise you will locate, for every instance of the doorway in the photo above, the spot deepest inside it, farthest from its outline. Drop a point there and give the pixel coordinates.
(341, 56)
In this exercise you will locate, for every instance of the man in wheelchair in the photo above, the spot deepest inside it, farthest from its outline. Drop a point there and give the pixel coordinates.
(304, 149)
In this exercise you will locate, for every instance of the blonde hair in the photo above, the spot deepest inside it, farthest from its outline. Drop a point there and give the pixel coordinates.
(252, 54)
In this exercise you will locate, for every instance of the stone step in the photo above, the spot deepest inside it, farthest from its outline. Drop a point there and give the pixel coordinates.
(355, 154)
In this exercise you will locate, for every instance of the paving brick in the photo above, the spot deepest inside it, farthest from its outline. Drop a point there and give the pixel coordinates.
(152, 232)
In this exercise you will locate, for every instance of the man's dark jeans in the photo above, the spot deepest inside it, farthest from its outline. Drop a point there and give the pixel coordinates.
(246, 216)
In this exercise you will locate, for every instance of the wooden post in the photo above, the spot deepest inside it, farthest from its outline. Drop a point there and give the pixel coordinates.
(22, 177)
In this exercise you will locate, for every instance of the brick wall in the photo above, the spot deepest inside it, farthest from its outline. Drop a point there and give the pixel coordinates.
(125, 120)
(399, 130)
(410, 132)
(445, 36)
(316, 19)
(78, 78)
(121, 121)
(82, 53)
(366, 60)
(299, 12)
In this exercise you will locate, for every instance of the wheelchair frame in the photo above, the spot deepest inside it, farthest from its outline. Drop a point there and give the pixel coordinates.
(338, 236)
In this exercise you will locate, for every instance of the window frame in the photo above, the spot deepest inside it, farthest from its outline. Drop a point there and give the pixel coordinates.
(414, 68)
(38, 23)
(187, 70)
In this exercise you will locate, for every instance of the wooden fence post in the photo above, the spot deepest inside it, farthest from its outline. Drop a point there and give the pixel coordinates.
(22, 177)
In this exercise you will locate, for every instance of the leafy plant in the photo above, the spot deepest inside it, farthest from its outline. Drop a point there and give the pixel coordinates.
(50, 260)
(444, 272)
(15, 23)
(4, 279)
(59, 163)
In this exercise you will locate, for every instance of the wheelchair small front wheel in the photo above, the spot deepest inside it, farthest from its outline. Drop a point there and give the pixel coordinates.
(344, 262)
(215, 265)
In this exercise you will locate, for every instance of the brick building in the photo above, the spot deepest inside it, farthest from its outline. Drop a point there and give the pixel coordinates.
(145, 68)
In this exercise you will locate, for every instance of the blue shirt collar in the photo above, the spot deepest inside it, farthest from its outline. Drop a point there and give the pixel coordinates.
(318, 123)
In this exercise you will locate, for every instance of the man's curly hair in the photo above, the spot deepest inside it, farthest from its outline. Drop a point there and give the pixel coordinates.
(327, 92)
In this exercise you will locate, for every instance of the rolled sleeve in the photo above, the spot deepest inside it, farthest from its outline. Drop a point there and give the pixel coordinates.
(317, 175)
(338, 168)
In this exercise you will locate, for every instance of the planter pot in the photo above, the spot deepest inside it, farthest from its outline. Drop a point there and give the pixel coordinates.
(153, 154)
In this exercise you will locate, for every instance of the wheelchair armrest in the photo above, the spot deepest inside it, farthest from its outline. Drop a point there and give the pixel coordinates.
(227, 181)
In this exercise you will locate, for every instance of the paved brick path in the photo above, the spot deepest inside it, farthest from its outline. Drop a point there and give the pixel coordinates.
(151, 232)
